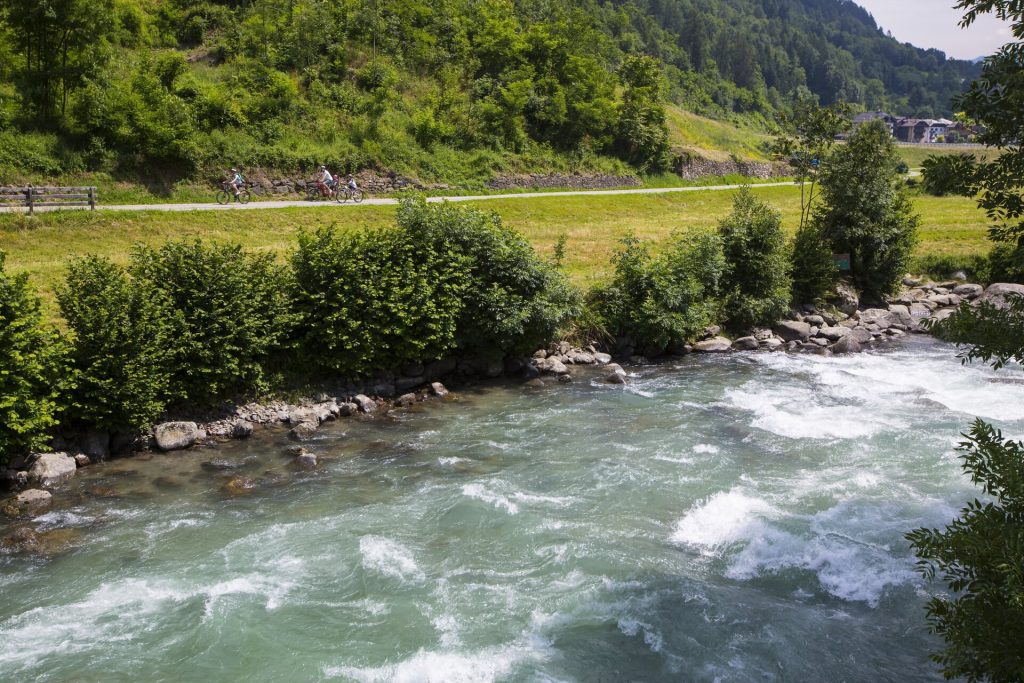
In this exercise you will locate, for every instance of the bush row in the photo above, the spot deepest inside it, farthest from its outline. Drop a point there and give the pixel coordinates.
(191, 323)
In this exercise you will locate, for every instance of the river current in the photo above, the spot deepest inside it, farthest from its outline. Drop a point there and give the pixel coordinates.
(730, 518)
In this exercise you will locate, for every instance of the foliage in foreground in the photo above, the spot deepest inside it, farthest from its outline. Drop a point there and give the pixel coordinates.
(29, 368)
(980, 555)
(947, 174)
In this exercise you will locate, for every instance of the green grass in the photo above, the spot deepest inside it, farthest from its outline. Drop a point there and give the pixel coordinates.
(43, 245)
(715, 140)
(915, 155)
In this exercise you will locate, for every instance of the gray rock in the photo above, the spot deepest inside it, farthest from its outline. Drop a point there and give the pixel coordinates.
(299, 414)
(846, 345)
(552, 366)
(32, 499)
(919, 312)
(968, 291)
(365, 403)
(241, 429)
(306, 460)
(711, 331)
(874, 316)
(173, 436)
(714, 345)
(959, 275)
(998, 294)
(439, 390)
(900, 315)
(51, 469)
(565, 379)
(304, 431)
(82, 460)
(845, 298)
(790, 330)
(860, 335)
(405, 400)
(911, 281)
(814, 320)
(773, 344)
(347, 409)
(616, 377)
(763, 335)
(535, 383)
(540, 354)
(819, 341)
(582, 358)
(602, 358)
(833, 333)
(745, 344)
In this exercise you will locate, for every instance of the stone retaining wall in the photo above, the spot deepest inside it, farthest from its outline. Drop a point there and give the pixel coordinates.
(571, 181)
(694, 168)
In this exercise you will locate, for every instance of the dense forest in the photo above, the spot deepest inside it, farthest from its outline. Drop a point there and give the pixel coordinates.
(441, 89)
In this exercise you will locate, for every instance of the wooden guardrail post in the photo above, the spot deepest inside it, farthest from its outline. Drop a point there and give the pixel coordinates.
(28, 199)
(92, 198)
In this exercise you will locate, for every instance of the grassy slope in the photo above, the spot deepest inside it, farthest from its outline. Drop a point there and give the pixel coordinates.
(715, 140)
(43, 245)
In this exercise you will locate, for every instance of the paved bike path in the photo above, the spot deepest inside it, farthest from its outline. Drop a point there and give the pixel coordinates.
(288, 204)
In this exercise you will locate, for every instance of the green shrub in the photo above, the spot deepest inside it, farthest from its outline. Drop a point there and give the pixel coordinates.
(866, 211)
(1006, 263)
(31, 365)
(942, 267)
(949, 174)
(665, 301)
(234, 313)
(814, 270)
(512, 301)
(373, 300)
(122, 339)
(756, 284)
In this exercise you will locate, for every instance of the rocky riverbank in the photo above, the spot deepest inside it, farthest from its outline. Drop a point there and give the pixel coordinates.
(844, 327)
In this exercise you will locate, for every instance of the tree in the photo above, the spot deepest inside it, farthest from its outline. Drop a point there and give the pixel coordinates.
(866, 211)
(643, 134)
(60, 42)
(805, 141)
(981, 553)
(30, 368)
(755, 285)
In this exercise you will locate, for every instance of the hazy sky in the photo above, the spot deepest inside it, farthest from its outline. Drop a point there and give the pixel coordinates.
(934, 23)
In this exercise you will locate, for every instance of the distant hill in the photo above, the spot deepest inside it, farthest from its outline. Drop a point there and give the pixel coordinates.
(447, 90)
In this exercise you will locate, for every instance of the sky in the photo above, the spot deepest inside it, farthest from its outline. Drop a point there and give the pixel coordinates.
(934, 23)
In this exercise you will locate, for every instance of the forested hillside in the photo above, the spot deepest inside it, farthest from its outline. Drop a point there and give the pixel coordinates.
(450, 90)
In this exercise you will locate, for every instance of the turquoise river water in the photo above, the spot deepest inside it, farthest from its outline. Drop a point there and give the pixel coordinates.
(734, 518)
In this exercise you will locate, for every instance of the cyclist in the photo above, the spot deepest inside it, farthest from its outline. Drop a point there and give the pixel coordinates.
(352, 183)
(325, 182)
(235, 182)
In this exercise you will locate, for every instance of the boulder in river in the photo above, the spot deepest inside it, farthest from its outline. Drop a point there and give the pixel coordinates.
(52, 469)
(304, 431)
(26, 502)
(791, 330)
(998, 294)
(845, 345)
(174, 436)
(239, 486)
(306, 460)
(616, 374)
(439, 390)
(602, 358)
(833, 333)
(968, 291)
(365, 403)
(713, 345)
(405, 400)
(745, 344)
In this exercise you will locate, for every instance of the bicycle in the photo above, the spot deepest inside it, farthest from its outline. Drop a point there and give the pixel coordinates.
(313, 193)
(344, 194)
(227, 193)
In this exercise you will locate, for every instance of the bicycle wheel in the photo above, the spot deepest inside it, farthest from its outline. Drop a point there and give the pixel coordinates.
(357, 196)
(223, 197)
(340, 196)
(312, 192)
(244, 197)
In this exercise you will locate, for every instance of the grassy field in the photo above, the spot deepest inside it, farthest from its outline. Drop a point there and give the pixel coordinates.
(43, 245)
(915, 155)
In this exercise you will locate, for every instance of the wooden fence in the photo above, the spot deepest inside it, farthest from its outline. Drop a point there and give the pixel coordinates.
(48, 197)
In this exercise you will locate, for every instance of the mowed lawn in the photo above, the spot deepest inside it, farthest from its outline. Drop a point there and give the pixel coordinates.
(42, 246)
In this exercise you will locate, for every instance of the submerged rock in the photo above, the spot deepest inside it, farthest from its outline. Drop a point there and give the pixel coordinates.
(304, 431)
(52, 469)
(239, 486)
(306, 460)
(174, 436)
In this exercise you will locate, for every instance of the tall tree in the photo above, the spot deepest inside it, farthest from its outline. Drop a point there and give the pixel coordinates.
(59, 43)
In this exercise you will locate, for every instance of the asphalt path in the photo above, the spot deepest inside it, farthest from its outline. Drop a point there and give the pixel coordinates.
(384, 201)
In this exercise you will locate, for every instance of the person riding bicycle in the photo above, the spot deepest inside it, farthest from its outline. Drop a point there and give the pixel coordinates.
(236, 182)
(352, 183)
(325, 182)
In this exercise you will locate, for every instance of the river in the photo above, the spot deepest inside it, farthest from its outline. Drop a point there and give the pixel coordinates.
(730, 518)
